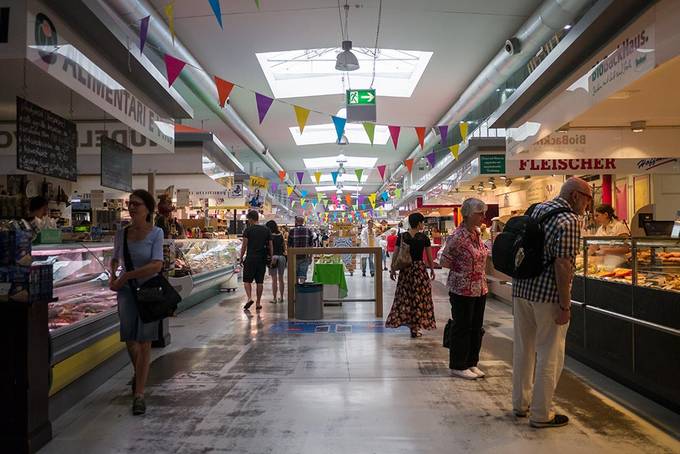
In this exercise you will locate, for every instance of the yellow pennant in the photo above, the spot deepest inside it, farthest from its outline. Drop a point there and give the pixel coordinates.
(170, 13)
(301, 114)
(454, 150)
(290, 190)
(371, 198)
(463, 130)
(317, 177)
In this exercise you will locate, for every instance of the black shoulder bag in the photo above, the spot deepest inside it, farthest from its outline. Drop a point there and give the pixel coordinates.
(156, 299)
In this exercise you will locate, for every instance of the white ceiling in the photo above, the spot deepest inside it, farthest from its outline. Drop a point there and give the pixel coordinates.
(464, 35)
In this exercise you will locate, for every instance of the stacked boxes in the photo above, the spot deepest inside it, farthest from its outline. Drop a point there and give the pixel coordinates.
(20, 280)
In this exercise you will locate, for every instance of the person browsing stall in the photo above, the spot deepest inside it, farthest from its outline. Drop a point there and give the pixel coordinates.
(257, 247)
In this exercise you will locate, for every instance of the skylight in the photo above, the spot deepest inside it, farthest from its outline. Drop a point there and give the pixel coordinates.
(319, 134)
(331, 162)
(311, 72)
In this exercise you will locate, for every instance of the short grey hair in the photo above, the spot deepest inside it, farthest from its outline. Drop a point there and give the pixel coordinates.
(471, 206)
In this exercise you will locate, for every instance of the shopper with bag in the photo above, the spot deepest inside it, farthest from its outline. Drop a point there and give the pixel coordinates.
(143, 244)
(412, 305)
(278, 265)
(465, 255)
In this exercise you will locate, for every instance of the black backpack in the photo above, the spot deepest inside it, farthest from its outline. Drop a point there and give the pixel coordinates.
(518, 250)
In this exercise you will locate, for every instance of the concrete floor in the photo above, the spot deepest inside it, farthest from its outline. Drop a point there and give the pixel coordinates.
(232, 383)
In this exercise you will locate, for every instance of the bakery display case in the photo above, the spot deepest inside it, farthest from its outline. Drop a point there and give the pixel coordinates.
(626, 312)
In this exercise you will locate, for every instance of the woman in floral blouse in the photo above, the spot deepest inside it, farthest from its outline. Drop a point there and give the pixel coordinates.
(465, 255)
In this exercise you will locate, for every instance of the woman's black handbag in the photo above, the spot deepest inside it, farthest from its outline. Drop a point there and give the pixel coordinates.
(156, 299)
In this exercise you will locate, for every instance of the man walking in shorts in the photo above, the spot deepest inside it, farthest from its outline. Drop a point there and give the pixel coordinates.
(257, 246)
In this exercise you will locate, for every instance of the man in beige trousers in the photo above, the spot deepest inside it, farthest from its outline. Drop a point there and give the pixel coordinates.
(542, 309)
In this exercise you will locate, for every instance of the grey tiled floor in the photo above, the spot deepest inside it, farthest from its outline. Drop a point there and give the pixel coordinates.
(229, 384)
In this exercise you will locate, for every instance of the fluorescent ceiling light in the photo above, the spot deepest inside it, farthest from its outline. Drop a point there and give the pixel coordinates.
(334, 188)
(348, 177)
(331, 162)
(356, 134)
(311, 72)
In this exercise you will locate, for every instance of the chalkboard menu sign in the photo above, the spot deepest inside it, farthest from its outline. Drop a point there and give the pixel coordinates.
(46, 143)
(116, 160)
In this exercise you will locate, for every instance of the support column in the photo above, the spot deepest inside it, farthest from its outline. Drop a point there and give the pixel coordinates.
(151, 183)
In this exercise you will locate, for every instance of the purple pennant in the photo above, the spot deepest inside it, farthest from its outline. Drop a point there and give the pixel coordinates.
(443, 132)
(300, 176)
(362, 199)
(263, 105)
(430, 159)
(143, 31)
(275, 186)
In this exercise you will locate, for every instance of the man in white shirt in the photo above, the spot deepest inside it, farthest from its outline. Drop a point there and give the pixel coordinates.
(368, 240)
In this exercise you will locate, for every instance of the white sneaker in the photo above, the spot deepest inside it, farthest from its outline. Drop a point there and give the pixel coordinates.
(477, 371)
(467, 374)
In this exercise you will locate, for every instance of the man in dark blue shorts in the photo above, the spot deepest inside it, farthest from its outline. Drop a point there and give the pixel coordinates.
(257, 246)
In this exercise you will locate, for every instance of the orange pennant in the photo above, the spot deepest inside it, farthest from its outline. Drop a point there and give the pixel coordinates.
(223, 89)
(409, 164)
(348, 199)
(420, 132)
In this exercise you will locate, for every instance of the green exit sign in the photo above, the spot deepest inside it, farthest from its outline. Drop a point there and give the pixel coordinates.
(361, 97)
(491, 164)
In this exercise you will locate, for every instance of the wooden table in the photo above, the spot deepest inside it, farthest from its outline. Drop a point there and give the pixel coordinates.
(292, 278)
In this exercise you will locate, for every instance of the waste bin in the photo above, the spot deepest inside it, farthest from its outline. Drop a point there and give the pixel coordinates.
(309, 301)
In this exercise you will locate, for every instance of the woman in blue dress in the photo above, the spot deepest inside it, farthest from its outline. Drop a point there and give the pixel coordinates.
(145, 244)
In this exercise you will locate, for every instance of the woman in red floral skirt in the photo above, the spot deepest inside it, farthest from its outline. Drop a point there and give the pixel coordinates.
(412, 305)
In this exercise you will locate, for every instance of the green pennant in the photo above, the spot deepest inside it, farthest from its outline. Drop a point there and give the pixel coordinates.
(257, 3)
(397, 192)
(370, 131)
(355, 206)
(325, 202)
(358, 173)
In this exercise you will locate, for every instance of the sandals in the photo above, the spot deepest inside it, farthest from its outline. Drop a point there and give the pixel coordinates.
(248, 304)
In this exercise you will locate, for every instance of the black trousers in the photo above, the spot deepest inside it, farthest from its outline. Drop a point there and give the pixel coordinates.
(466, 333)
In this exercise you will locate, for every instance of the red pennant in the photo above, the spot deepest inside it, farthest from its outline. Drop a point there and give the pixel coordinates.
(381, 171)
(173, 67)
(420, 132)
(409, 164)
(223, 89)
(394, 133)
(282, 175)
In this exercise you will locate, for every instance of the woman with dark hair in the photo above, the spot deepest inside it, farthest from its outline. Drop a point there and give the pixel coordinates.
(144, 243)
(279, 260)
(412, 305)
(608, 222)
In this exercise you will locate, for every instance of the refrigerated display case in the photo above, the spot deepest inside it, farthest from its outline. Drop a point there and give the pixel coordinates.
(626, 313)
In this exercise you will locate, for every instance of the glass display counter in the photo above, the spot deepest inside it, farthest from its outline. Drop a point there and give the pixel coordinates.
(626, 313)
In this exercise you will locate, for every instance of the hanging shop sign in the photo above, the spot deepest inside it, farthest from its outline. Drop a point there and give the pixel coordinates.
(518, 167)
(46, 142)
(183, 198)
(258, 191)
(490, 164)
(116, 165)
(53, 48)
(361, 105)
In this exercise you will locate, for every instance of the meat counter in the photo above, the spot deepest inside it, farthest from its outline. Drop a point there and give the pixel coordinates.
(626, 313)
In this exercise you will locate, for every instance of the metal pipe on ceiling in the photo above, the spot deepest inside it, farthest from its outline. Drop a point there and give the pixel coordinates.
(548, 19)
(199, 82)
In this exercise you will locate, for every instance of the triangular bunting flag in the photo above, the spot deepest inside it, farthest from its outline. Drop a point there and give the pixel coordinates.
(275, 186)
(348, 199)
(215, 4)
(290, 190)
(300, 176)
(363, 206)
(355, 207)
(301, 114)
(397, 193)
(430, 158)
(173, 67)
(263, 105)
(325, 202)
(170, 14)
(420, 132)
(371, 198)
(334, 175)
(454, 150)
(463, 130)
(339, 123)
(292, 204)
(143, 31)
(282, 175)
(358, 173)
(302, 202)
(385, 196)
(223, 90)
(257, 3)
(319, 196)
(314, 202)
(317, 177)
(394, 133)
(381, 171)
(370, 131)
(409, 164)
(304, 193)
(443, 132)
